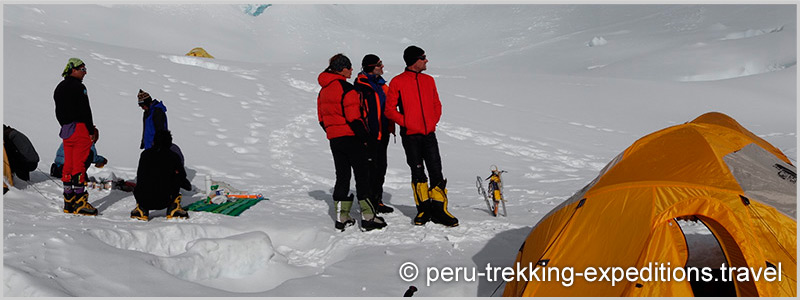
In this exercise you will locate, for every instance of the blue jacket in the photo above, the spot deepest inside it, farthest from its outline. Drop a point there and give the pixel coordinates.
(154, 118)
(93, 156)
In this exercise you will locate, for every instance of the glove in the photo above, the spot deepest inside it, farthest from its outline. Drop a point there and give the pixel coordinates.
(101, 164)
(95, 136)
(186, 185)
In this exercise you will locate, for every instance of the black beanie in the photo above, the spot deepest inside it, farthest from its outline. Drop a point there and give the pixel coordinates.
(369, 62)
(412, 54)
(339, 62)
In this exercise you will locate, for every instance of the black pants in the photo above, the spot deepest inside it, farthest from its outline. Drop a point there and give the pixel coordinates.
(423, 151)
(377, 167)
(350, 153)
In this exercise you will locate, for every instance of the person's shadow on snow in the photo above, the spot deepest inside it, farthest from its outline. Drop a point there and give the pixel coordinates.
(327, 198)
(105, 202)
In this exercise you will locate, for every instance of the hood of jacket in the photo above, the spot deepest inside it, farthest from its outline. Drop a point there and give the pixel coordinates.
(158, 104)
(326, 78)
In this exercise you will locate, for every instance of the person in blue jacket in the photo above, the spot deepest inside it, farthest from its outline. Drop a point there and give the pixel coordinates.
(58, 163)
(154, 118)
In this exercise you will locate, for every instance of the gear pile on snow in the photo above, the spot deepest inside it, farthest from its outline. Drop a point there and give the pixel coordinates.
(222, 198)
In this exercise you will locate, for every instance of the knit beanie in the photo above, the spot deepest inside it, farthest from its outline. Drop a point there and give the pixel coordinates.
(144, 98)
(339, 62)
(72, 63)
(412, 54)
(369, 62)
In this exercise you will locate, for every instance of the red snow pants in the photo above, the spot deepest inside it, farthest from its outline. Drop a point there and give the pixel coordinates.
(76, 151)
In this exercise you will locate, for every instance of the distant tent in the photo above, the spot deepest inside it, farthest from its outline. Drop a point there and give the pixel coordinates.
(200, 52)
(713, 169)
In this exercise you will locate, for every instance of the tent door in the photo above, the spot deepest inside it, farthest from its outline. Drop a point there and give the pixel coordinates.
(705, 252)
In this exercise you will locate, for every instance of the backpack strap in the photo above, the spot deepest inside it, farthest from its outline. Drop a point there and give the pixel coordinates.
(346, 88)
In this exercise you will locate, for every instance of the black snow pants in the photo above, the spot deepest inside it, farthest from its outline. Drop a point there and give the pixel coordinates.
(423, 151)
(350, 153)
(378, 165)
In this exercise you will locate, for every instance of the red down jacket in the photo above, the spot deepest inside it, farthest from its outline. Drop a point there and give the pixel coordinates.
(415, 95)
(333, 109)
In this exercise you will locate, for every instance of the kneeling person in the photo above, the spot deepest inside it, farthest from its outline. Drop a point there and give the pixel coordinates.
(160, 176)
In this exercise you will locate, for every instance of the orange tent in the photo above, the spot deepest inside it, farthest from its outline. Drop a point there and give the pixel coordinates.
(741, 187)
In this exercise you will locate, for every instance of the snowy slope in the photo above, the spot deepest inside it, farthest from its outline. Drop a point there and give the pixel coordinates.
(549, 93)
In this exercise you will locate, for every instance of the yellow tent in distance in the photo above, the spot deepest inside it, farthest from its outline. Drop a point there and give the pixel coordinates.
(199, 52)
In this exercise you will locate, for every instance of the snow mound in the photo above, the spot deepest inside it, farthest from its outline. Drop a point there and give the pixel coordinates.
(196, 61)
(745, 69)
(196, 253)
(231, 257)
(751, 33)
(597, 41)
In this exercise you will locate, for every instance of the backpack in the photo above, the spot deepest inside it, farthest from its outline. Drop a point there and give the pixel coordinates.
(362, 101)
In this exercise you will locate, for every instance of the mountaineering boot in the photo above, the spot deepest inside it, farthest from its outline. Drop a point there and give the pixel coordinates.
(69, 198)
(139, 213)
(343, 218)
(69, 202)
(422, 201)
(380, 208)
(81, 205)
(369, 220)
(174, 210)
(438, 209)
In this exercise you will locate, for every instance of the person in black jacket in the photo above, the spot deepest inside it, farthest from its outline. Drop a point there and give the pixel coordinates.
(78, 132)
(160, 176)
(22, 156)
(373, 90)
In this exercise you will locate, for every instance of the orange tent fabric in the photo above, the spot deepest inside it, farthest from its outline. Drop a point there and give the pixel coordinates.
(741, 187)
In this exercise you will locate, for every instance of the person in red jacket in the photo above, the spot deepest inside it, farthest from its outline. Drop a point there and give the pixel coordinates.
(78, 132)
(373, 89)
(413, 103)
(341, 116)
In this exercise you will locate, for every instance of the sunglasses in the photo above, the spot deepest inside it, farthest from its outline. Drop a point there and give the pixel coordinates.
(424, 57)
(379, 65)
(82, 69)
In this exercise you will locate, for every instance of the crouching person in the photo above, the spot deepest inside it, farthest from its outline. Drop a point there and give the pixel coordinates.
(160, 176)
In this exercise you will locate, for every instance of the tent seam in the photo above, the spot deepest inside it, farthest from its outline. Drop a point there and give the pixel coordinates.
(655, 184)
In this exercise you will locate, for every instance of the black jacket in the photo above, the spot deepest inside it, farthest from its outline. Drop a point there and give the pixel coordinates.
(72, 103)
(22, 157)
(160, 175)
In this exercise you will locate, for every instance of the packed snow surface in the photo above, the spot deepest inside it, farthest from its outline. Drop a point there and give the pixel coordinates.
(549, 93)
